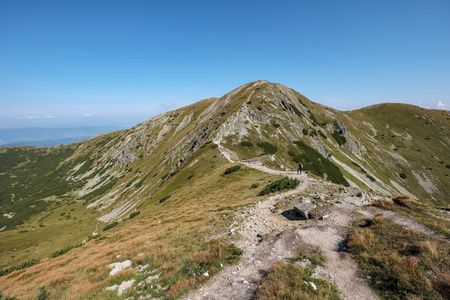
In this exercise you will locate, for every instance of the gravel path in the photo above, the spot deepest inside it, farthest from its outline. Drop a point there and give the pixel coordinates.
(268, 236)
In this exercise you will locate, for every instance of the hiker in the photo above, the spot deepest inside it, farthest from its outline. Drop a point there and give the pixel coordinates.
(300, 167)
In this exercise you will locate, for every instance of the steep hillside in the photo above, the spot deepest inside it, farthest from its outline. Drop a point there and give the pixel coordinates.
(167, 174)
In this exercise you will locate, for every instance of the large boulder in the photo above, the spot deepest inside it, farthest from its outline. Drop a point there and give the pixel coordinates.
(303, 209)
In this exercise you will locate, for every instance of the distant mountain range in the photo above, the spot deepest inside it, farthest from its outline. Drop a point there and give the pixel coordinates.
(47, 137)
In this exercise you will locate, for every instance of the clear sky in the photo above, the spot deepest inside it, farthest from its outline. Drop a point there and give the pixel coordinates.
(122, 62)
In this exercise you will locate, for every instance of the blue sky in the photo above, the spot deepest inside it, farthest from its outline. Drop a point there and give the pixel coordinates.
(66, 63)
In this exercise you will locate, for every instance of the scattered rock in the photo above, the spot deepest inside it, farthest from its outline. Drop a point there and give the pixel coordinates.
(150, 279)
(121, 289)
(117, 267)
(239, 279)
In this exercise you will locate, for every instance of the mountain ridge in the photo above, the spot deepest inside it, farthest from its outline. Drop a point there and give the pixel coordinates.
(177, 158)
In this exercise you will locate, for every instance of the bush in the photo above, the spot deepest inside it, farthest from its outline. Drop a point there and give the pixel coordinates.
(268, 147)
(254, 186)
(134, 214)
(20, 266)
(314, 162)
(341, 140)
(65, 250)
(164, 198)
(322, 134)
(402, 175)
(276, 125)
(246, 144)
(109, 226)
(371, 178)
(43, 293)
(305, 131)
(292, 153)
(232, 169)
(282, 184)
(297, 112)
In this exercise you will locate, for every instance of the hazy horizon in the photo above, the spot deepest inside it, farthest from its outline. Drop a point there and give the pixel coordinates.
(101, 63)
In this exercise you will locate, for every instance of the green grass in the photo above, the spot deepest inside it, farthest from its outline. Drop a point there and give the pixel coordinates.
(279, 185)
(400, 263)
(287, 281)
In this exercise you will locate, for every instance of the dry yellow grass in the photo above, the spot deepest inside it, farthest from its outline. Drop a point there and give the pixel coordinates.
(165, 235)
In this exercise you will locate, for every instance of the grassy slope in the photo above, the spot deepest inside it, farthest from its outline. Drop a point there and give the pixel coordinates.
(169, 234)
(419, 135)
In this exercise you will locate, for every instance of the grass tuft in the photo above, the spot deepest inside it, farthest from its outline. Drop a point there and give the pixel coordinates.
(290, 281)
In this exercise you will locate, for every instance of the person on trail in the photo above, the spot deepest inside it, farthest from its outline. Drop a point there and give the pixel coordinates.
(300, 167)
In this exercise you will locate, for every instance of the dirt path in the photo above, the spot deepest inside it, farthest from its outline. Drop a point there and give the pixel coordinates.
(268, 236)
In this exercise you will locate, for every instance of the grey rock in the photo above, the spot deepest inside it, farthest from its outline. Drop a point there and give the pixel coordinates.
(303, 209)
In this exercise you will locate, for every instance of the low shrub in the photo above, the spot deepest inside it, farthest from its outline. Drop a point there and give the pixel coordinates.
(109, 226)
(232, 169)
(254, 186)
(402, 175)
(305, 131)
(276, 125)
(282, 184)
(267, 147)
(64, 250)
(20, 266)
(134, 214)
(43, 293)
(6, 297)
(297, 112)
(322, 134)
(292, 153)
(314, 162)
(371, 178)
(164, 199)
(341, 140)
(246, 144)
